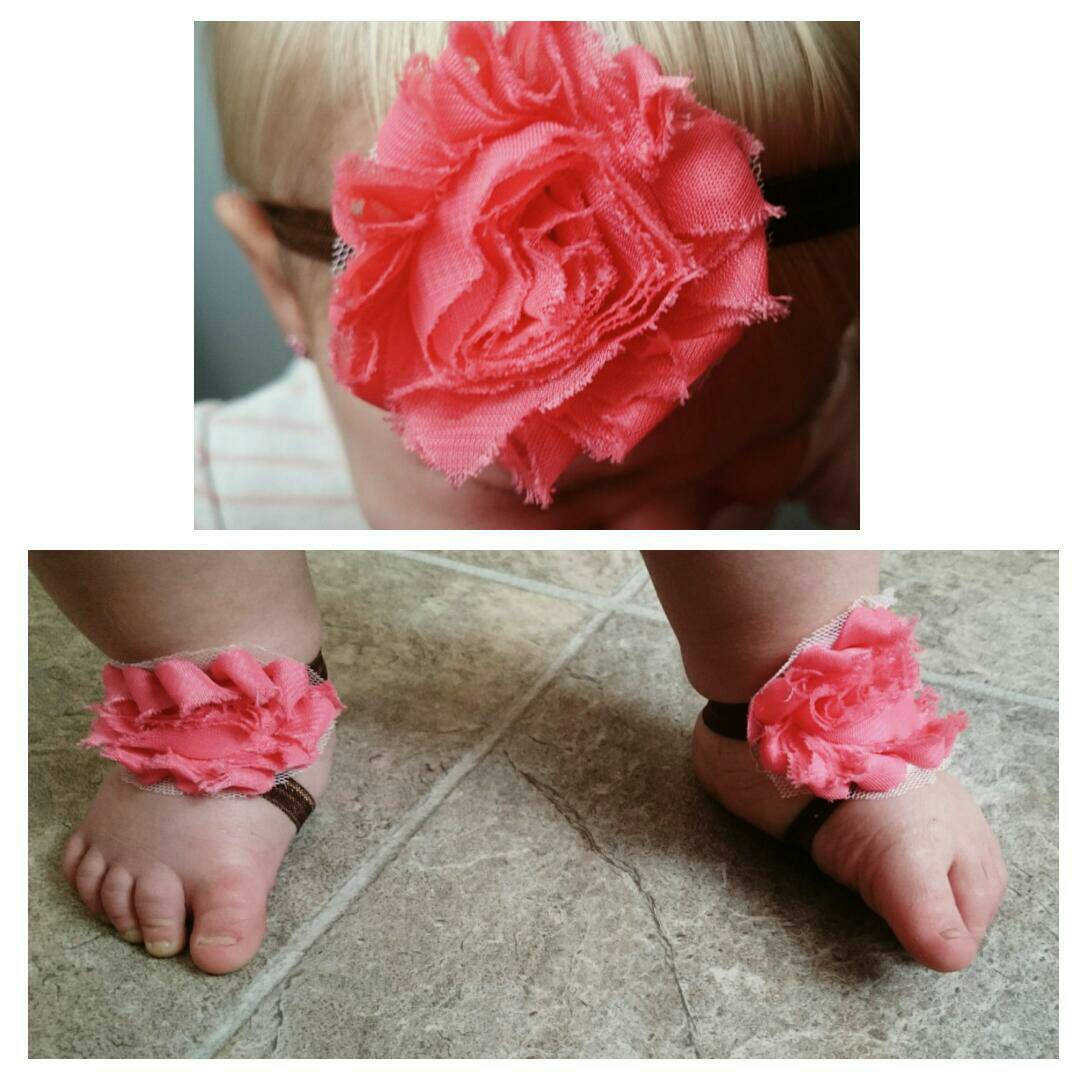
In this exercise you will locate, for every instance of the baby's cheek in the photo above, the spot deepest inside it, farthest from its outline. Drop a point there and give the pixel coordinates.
(766, 472)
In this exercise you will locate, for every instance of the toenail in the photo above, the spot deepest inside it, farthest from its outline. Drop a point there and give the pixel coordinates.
(132, 935)
(216, 939)
(160, 948)
(952, 932)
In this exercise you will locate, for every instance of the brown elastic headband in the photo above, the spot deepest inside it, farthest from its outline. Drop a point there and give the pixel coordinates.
(729, 720)
(815, 203)
(307, 232)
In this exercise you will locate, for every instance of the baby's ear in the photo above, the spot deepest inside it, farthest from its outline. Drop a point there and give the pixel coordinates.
(250, 228)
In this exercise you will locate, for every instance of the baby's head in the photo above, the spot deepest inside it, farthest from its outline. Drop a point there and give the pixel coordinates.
(557, 242)
(294, 97)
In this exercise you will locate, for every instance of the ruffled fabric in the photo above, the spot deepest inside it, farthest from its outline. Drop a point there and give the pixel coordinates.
(233, 727)
(855, 712)
(551, 245)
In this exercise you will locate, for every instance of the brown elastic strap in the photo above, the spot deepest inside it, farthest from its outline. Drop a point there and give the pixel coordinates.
(815, 204)
(307, 232)
(289, 795)
(803, 829)
(318, 665)
(292, 799)
(723, 718)
(729, 719)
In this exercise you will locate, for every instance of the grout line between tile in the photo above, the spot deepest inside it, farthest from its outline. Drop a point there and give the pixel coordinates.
(545, 588)
(282, 963)
(639, 612)
(959, 682)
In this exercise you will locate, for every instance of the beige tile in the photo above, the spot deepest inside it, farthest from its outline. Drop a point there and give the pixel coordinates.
(600, 572)
(646, 598)
(64, 676)
(426, 659)
(989, 616)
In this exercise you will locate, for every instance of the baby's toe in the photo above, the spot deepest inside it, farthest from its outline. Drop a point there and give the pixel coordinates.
(118, 900)
(978, 884)
(159, 908)
(916, 899)
(74, 850)
(88, 876)
(230, 921)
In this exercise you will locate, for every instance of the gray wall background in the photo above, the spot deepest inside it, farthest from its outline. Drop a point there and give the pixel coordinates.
(237, 343)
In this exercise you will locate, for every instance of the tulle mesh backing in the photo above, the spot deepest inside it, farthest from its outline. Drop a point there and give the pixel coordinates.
(341, 255)
(827, 635)
(202, 658)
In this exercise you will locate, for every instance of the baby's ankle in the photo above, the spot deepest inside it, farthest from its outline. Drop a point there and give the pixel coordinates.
(726, 769)
(735, 672)
(282, 636)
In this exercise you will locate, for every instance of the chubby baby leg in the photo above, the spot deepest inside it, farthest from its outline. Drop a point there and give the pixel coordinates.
(146, 861)
(925, 860)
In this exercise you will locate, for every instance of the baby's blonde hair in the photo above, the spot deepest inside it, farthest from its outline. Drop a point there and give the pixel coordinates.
(283, 89)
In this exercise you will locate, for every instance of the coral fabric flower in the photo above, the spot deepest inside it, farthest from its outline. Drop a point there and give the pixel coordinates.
(855, 712)
(550, 245)
(233, 727)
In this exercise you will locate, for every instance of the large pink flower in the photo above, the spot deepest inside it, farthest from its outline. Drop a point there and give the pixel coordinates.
(551, 244)
(855, 712)
(232, 727)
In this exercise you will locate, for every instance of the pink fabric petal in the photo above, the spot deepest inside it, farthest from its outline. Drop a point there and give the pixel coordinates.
(137, 686)
(872, 627)
(290, 679)
(536, 453)
(705, 186)
(882, 772)
(209, 743)
(460, 435)
(623, 404)
(189, 686)
(239, 667)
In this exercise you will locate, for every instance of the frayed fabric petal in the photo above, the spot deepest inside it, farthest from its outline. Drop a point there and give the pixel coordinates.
(231, 726)
(550, 245)
(852, 716)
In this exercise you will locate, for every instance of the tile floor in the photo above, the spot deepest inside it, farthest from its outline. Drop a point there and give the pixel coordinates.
(514, 860)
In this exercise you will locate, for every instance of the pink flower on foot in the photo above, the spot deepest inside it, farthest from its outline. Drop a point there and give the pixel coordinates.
(853, 713)
(551, 245)
(233, 727)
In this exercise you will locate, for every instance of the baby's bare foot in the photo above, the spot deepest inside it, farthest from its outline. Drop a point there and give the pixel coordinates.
(925, 861)
(143, 860)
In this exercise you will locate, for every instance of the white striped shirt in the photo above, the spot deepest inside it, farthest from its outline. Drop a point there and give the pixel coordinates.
(273, 459)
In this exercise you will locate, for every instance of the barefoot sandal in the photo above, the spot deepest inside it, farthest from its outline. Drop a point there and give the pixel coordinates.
(232, 722)
(847, 716)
